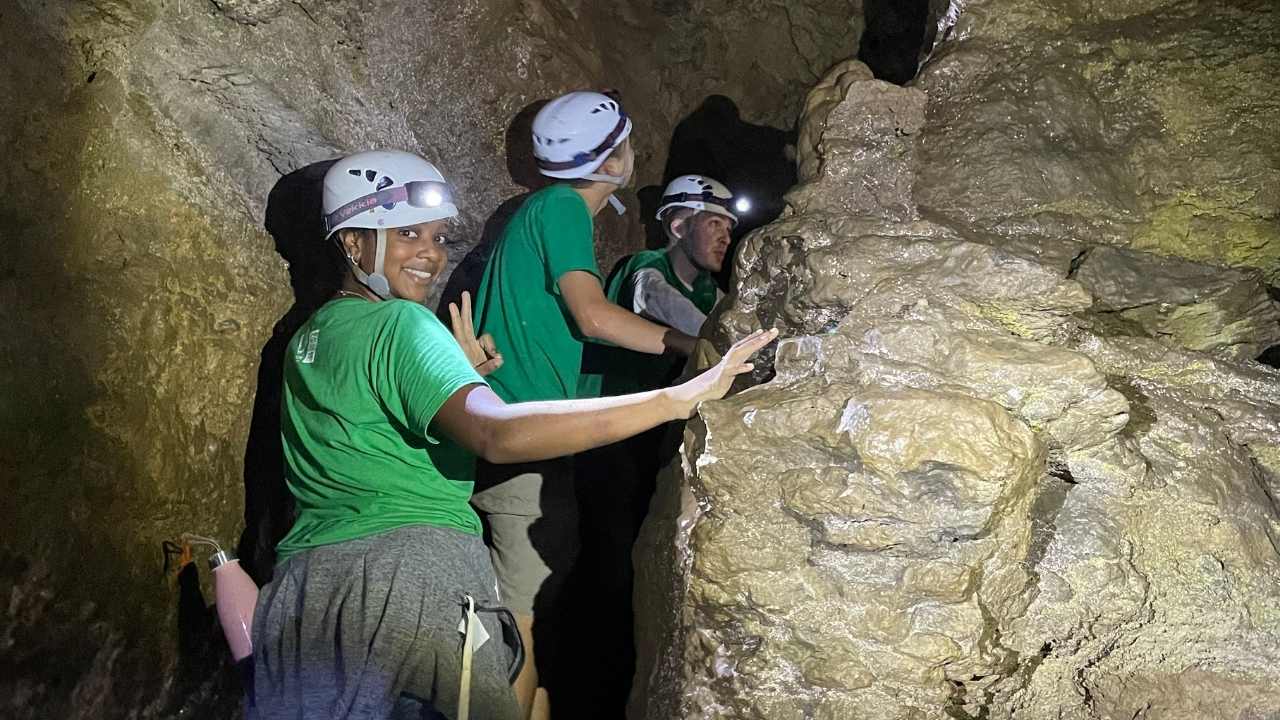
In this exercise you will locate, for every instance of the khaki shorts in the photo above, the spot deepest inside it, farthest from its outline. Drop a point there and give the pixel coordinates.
(530, 515)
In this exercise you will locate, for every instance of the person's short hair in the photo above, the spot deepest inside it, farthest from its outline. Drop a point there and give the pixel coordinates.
(670, 216)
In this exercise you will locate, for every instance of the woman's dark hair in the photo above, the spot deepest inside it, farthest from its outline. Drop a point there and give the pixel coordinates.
(333, 259)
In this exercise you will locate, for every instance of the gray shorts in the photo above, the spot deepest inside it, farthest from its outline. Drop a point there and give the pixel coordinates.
(531, 521)
(368, 628)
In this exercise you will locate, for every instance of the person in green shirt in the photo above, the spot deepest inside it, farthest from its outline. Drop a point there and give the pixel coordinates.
(676, 286)
(383, 413)
(541, 297)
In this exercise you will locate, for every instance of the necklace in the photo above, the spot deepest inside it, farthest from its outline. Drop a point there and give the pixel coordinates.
(352, 294)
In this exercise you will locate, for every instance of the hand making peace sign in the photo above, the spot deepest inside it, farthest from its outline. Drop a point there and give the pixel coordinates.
(482, 352)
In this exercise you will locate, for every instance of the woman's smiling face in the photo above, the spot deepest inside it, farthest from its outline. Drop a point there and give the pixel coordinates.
(415, 256)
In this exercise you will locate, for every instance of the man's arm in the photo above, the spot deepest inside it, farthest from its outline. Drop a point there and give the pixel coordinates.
(602, 320)
(653, 297)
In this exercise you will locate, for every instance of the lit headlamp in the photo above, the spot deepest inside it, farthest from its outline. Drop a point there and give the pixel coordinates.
(419, 194)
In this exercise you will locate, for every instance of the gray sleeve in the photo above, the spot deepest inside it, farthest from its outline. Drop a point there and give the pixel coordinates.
(653, 298)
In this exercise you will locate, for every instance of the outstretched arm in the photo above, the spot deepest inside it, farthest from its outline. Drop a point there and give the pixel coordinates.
(481, 422)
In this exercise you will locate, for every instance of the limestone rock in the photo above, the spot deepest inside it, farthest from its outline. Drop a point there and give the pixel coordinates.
(1188, 304)
(249, 12)
(852, 130)
(864, 565)
(1139, 124)
(1011, 358)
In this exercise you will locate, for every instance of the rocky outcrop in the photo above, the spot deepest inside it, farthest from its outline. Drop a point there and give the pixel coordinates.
(1139, 124)
(150, 148)
(1015, 460)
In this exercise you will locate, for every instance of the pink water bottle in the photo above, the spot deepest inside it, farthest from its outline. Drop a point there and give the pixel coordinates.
(235, 595)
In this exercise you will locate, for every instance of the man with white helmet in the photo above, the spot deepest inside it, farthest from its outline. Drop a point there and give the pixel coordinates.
(384, 602)
(675, 286)
(540, 297)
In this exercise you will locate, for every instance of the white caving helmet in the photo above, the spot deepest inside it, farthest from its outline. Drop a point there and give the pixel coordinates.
(381, 189)
(575, 133)
(701, 193)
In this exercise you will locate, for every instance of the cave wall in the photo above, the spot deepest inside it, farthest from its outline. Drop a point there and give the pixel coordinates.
(1142, 124)
(141, 288)
(1015, 459)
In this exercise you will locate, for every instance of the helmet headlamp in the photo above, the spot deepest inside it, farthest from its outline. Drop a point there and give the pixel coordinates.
(709, 197)
(418, 193)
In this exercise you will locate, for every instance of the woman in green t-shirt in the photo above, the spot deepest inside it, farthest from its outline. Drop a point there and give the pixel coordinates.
(384, 411)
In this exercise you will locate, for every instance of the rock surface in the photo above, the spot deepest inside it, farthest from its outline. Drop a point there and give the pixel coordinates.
(144, 140)
(1141, 123)
(1015, 460)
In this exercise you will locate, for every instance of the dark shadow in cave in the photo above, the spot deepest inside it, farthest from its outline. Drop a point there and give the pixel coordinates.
(1271, 356)
(209, 684)
(315, 273)
(895, 35)
(754, 161)
(524, 172)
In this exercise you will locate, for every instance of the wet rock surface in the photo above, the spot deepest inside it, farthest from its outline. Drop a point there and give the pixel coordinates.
(146, 144)
(1139, 124)
(1015, 460)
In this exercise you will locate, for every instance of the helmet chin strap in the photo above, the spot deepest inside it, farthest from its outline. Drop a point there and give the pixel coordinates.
(618, 180)
(617, 205)
(376, 282)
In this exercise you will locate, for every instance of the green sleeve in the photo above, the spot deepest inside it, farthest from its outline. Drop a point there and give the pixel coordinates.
(420, 365)
(565, 233)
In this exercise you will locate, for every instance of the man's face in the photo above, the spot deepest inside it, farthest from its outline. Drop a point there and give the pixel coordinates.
(415, 257)
(705, 239)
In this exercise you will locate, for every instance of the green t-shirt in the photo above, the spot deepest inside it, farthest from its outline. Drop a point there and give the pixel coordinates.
(362, 382)
(626, 371)
(519, 300)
